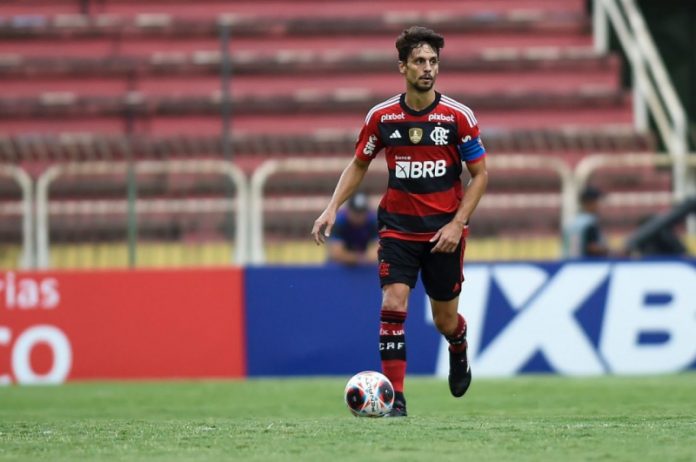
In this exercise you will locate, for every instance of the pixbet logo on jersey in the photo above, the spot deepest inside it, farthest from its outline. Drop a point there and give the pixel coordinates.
(579, 318)
(440, 118)
(387, 117)
(417, 169)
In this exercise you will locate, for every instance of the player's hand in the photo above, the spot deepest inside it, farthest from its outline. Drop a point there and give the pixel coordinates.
(447, 238)
(322, 226)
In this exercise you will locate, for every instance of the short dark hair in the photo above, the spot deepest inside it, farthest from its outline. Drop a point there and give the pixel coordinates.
(413, 37)
(590, 194)
(358, 202)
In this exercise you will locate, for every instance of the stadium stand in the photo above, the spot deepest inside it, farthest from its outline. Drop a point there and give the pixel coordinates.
(141, 79)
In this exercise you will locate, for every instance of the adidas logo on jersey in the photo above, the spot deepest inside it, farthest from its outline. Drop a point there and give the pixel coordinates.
(395, 135)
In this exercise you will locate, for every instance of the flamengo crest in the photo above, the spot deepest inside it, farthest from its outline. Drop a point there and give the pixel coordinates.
(439, 136)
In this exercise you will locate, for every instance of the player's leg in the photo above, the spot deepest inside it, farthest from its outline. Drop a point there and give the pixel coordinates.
(398, 271)
(453, 326)
(445, 316)
(442, 278)
(392, 340)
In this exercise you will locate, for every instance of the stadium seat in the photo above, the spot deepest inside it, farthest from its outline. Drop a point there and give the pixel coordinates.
(142, 79)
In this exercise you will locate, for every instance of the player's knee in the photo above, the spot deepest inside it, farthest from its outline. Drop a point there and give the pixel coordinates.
(393, 304)
(395, 298)
(445, 322)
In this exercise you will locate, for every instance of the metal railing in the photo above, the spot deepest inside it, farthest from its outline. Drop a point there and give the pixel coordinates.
(536, 162)
(653, 90)
(28, 256)
(587, 166)
(260, 178)
(317, 165)
(146, 167)
(250, 203)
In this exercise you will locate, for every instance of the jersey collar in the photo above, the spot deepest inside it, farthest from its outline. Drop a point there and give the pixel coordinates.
(408, 110)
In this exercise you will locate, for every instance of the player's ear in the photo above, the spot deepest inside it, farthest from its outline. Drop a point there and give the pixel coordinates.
(402, 67)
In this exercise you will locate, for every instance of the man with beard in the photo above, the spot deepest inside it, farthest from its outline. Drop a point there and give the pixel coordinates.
(423, 217)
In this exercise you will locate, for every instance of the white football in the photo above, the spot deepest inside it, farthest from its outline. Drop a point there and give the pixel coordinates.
(369, 394)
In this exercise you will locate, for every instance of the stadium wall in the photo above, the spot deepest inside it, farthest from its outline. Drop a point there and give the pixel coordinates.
(571, 318)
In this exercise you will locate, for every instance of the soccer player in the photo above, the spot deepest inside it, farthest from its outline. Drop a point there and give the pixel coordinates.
(423, 217)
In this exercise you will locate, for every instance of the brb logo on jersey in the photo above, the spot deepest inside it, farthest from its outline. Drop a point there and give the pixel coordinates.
(425, 169)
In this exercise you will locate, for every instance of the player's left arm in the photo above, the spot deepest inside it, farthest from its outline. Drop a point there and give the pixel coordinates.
(448, 236)
(473, 154)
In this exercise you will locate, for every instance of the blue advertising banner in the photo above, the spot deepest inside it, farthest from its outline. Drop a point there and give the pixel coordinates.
(325, 320)
(571, 318)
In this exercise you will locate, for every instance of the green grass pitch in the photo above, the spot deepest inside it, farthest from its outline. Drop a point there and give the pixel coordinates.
(531, 418)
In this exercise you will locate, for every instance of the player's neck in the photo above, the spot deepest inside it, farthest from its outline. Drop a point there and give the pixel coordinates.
(418, 100)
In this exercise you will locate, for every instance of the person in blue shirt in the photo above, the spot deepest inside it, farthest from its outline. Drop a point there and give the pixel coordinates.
(354, 236)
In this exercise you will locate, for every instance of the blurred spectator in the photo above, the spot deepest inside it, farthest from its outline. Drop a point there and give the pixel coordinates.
(662, 242)
(583, 238)
(353, 238)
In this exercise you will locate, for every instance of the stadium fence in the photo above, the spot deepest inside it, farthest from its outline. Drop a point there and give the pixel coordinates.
(186, 215)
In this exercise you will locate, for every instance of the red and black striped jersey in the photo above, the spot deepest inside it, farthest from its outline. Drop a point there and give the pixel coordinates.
(424, 152)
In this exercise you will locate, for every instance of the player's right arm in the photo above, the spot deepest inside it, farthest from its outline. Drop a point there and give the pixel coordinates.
(366, 148)
(347, 184)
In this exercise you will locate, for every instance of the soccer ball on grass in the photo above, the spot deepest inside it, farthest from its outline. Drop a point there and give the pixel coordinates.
(369, 394)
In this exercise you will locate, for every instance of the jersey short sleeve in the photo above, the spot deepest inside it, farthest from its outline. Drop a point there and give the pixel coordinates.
(369, 142)
(469, 144)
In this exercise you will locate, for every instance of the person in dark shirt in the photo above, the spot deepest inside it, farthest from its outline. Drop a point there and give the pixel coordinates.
(354, 237)
(583, 238)
(663, 242)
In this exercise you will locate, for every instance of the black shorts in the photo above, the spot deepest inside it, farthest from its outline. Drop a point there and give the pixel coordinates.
(441, 273)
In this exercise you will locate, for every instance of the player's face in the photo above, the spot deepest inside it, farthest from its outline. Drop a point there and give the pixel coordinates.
(421, 68)
(592, 206)
(357, 218)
